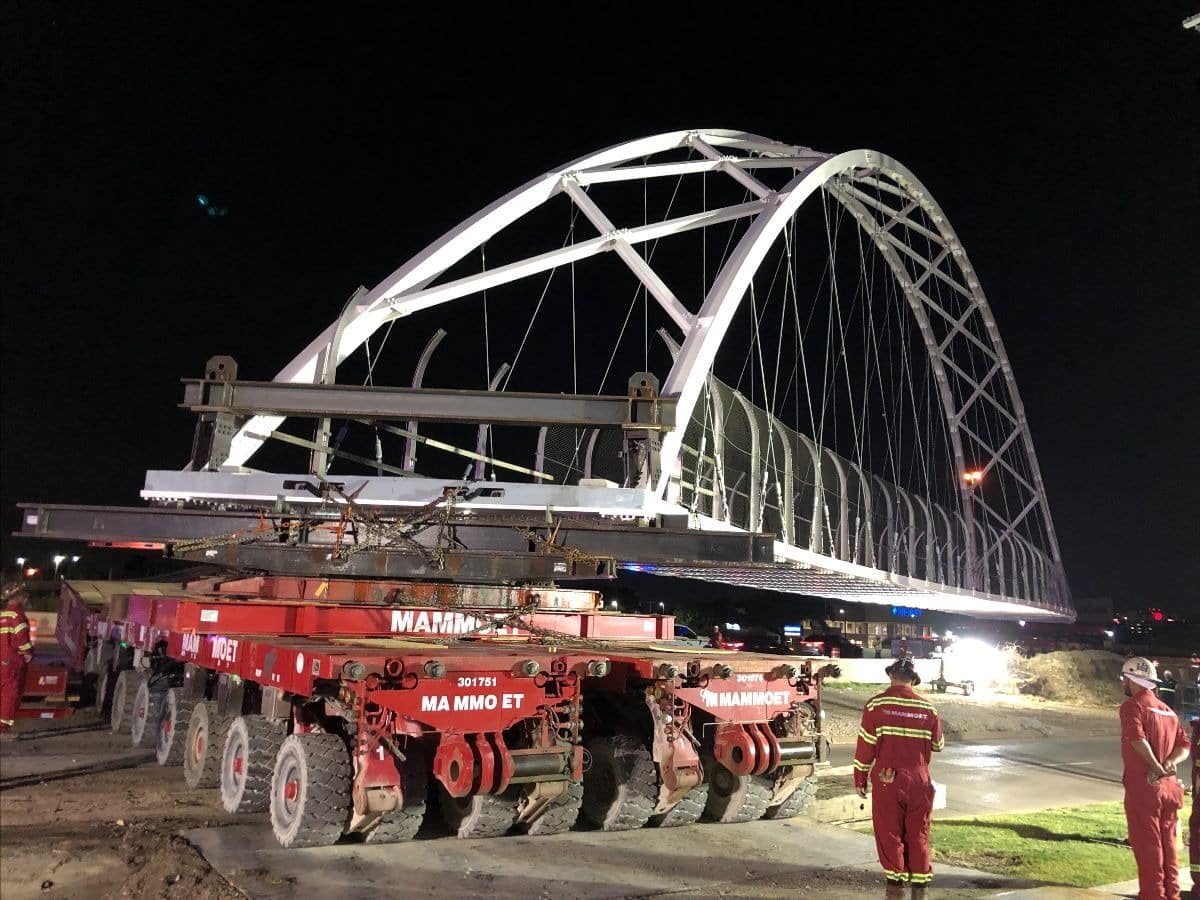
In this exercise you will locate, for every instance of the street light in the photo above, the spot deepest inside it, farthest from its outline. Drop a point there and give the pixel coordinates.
(21, 566)
(58, 561)
(973, 477)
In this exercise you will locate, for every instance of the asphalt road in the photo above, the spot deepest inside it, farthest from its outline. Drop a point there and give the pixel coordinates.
(1022, 775)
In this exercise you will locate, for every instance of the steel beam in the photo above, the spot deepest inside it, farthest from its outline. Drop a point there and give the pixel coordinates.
(505, 536)
(463, 567)
(277, 398)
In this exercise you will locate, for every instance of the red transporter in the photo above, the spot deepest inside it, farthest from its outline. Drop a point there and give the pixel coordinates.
(480, 698)
(217, 685)
(672, 736)
(498, 727)
(900, 730)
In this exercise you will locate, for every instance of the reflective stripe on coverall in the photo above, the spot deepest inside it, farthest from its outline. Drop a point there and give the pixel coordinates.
(900, 729)
(1194, 818)
(1152, 810)
(14, 644)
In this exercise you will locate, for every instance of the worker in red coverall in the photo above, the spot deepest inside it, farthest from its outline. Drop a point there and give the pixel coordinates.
(900, 730)
(1152, 746)
(1194, 818)
(16, 650)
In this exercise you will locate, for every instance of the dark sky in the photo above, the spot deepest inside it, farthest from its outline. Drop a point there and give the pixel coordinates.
(1064, 146)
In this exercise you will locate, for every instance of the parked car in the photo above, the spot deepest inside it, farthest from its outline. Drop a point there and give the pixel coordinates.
(770, 643)
(832, 645)
(685, 635)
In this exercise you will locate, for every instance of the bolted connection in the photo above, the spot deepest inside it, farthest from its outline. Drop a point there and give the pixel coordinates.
(598, 668)
(530, 667)
(435, 669)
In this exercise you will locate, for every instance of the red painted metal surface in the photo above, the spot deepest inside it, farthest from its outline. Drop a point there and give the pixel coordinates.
(147, 617)
(45, 679)
(745, 697)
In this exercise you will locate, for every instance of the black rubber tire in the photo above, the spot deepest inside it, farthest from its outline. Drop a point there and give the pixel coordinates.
(968, 688)
(686, 812)
(172, 728)
(124, 694)
(560, 814)
(939, 686)
(147, 711)
(316, 769)
(800, 803)
(202, 750)
(479, 815)
(256, 740)
(735, 798)
(402, 824)
(105, 682)
(620, 786)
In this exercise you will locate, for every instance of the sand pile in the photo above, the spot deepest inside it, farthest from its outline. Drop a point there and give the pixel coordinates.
(1070, 676)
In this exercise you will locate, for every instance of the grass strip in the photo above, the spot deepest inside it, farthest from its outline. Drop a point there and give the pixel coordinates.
(1081, 846)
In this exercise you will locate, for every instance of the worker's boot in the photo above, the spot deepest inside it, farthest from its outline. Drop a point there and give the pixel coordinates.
(920, 891)
(895, 890)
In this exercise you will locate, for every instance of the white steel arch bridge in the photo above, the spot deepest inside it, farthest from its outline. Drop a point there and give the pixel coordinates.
(831, 374)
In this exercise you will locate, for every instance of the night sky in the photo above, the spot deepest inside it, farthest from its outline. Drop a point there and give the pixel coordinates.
(1063, 145)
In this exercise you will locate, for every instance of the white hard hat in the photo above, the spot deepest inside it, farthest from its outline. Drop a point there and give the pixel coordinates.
(1140, 671)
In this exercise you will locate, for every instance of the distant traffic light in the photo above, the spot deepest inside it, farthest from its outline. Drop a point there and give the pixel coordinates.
(1156, 615)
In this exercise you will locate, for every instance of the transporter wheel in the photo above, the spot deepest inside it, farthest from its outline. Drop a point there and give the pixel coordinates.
(202, 750)
(104, 685)
(735, 798)
(620, 787)
(968, 688)
(123, 696)
(147, 709)
(248, 762)
(479, 815)
(402, 824)
(800, 802)
(686, 812)
(172, 728)
(939, 686)
(310, 790)
(560, 814)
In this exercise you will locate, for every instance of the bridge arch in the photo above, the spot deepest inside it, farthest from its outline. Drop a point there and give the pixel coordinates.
(885, 199)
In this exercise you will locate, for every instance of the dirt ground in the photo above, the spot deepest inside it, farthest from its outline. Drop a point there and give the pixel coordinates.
(115, 834)
(1070, 691)
(1087, 677)
(101, 836)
